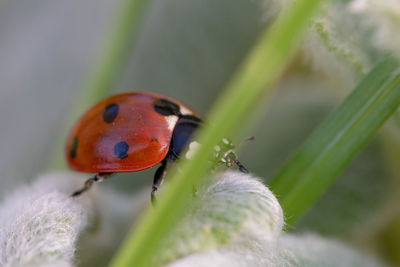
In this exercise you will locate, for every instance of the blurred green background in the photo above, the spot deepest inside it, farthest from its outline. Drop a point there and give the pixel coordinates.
(187, 50)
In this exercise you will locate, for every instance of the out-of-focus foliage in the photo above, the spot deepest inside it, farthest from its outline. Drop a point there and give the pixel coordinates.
(350, 36)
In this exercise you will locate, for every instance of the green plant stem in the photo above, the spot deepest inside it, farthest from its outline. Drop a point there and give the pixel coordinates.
(116, 52)
(263, 65)
(113, 56)
(308, 174)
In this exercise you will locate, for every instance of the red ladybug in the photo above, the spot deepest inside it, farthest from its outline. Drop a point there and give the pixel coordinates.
(130, 132)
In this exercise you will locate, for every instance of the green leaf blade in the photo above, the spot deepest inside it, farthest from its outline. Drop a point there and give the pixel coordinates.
(331, 148)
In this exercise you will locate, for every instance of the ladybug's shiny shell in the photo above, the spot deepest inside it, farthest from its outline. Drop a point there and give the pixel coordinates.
(122, 133)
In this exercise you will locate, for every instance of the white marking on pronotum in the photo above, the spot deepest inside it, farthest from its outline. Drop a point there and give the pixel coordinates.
(171, 120)
(192, 148)
(217, 148)
(226, 141)
(184, 110)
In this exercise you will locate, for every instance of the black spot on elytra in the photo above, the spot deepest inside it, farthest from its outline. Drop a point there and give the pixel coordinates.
(74, 147)
(154, 139)
(110, 113)
(166, 107)
(121, 149)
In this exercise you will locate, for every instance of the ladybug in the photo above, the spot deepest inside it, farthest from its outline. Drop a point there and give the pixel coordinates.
(131, 132)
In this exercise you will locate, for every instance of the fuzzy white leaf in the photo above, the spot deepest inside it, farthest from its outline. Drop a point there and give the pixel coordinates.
(338, 45)
(290, 250)
(39, 224)
(312, 250)
(383, 17)
(235, 209)
(348, 37)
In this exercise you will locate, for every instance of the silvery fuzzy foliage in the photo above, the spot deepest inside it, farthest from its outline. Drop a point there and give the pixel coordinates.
(336, 43)
(39, 224)
(227, 211)
(289, 250)
(347, 38)
(312, 250)
(383, 17)
(234, 221)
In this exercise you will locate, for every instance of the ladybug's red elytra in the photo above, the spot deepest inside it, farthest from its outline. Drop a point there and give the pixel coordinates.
(130, 132)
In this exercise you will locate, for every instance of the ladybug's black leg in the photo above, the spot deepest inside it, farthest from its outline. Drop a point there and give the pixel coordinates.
(99, 177)
(183, 130)
(158, 179)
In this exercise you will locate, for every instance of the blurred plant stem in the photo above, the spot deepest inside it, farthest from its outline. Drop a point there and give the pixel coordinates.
(106, 71)
(308, 174)
(387, 236)
(391, 145)
(246, 89)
